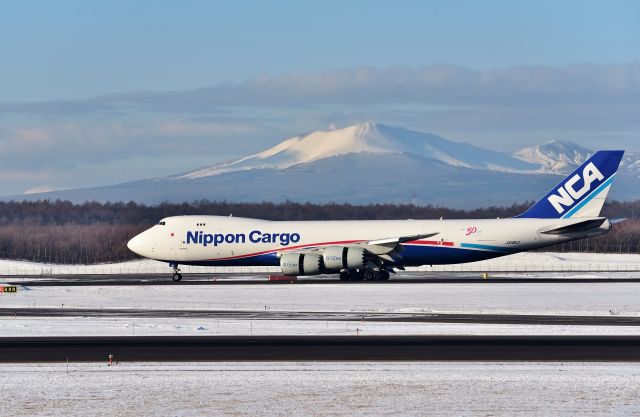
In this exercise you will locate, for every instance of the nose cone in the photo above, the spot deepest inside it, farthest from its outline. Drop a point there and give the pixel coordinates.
(138, 245)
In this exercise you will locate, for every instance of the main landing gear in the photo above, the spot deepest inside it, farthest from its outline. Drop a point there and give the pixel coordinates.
(176, 276)
(365, 274)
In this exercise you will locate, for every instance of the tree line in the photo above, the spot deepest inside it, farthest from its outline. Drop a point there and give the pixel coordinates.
(67, 233)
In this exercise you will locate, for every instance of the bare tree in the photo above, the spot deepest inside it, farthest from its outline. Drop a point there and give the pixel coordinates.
(63, 232)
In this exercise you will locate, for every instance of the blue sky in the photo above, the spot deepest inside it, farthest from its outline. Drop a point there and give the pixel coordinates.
(96, 92)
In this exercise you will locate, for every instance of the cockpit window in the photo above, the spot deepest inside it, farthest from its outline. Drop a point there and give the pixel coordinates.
(161, 223)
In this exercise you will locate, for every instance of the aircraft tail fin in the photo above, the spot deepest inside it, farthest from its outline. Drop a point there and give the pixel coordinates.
(582, 193)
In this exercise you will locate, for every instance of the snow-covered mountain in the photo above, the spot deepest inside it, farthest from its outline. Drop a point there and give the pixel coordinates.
(562, 157)
(557, 156)
(366, 138)
(369, 163)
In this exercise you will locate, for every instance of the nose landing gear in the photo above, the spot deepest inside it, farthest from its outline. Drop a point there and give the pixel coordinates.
(176, 276)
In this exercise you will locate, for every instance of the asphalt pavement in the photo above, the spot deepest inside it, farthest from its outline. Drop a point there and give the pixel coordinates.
(321, 348)
(75, 280)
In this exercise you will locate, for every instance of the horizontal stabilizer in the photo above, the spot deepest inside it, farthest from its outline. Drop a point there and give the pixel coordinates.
(618, 220)
(582, 226)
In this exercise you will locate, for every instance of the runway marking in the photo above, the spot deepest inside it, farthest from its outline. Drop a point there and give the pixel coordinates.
(414, 317)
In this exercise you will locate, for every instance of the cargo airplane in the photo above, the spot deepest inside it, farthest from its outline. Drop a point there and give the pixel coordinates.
(371, 249)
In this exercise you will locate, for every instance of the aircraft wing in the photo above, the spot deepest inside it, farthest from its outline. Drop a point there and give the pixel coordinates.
(400, 239)
(383, 246)
(380, 246)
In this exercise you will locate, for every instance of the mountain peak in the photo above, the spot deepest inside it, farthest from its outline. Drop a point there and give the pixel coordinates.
(319, 144)
(366, 138)
(560, 156)
(362, 127)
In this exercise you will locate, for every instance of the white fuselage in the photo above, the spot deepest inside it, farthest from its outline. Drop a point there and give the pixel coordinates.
(227, 241)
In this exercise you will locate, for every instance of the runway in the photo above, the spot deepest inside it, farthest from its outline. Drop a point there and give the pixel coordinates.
(321, 348)
(538, 319)
(77, 280)
(244, 317)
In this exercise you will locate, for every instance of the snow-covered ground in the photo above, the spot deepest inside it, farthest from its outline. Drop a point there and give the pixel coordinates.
(519, 262)
(580, 298)
(312, 388)
(599, 298)
(566, 298)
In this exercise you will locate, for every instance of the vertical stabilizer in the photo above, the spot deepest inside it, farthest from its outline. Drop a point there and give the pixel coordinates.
(581, 194)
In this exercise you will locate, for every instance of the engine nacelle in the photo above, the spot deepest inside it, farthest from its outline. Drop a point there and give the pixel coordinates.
(343, 257)
(301, 264)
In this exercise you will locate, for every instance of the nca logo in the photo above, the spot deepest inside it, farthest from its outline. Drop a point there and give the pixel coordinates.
(567, 195)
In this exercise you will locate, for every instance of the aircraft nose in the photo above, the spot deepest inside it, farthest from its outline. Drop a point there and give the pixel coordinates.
(136, 245)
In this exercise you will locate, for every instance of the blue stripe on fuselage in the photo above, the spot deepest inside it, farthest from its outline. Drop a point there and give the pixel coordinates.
(415, 255)
(485, 247)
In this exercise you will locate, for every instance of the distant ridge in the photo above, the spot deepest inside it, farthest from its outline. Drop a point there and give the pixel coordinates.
(368, 163)
(557, 156)
(563, 156)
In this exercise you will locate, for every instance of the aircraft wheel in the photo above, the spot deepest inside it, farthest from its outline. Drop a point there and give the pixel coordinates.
(368, 275)
(344, 276)
(176, 276)
(356, 276)
(383, 275)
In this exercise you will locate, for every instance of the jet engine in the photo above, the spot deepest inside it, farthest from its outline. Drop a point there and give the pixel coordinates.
(301, 264)
(343, 257)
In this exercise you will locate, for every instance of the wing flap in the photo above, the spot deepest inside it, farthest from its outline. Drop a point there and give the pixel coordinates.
(400, 239)
(384, 246)
(377, 247)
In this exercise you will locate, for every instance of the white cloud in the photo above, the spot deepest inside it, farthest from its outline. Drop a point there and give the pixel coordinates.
(439, 85)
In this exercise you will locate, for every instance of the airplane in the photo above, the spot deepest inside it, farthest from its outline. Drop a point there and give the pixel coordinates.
(372, 249)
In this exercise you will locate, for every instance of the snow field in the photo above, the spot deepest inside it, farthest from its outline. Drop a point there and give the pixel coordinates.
(580, 298)
(312, 388)
(488, 298)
